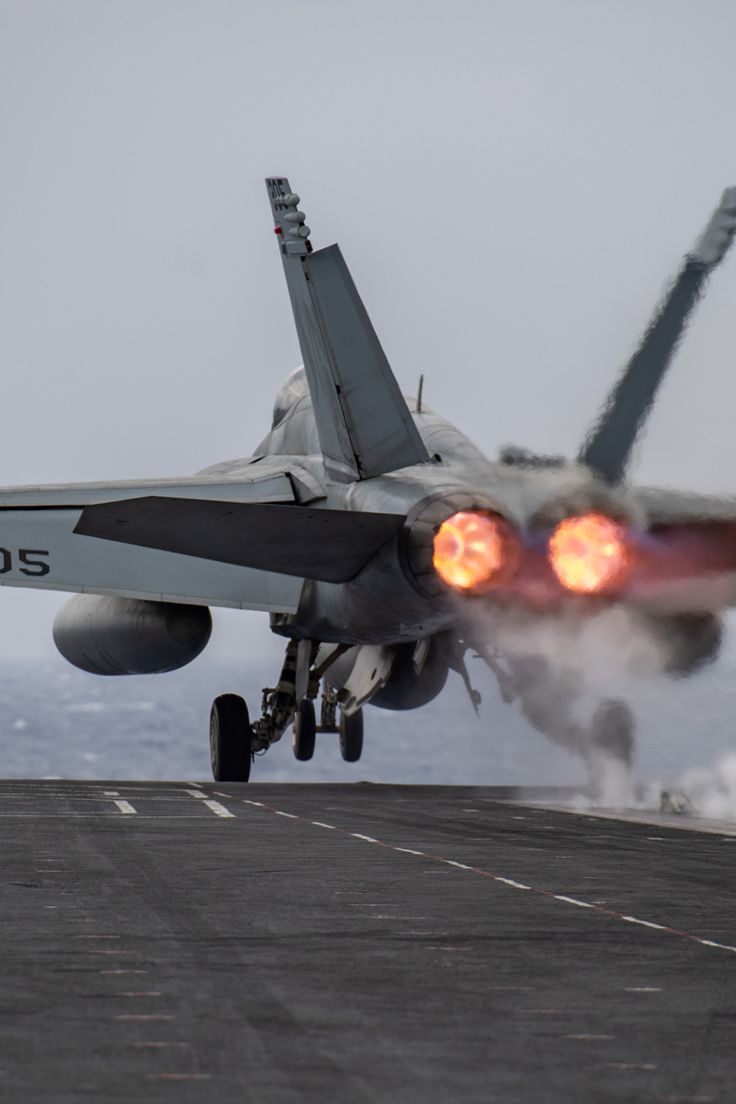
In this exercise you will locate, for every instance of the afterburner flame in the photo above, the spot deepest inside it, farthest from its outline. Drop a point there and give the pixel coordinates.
(589, 554)
(472, 550)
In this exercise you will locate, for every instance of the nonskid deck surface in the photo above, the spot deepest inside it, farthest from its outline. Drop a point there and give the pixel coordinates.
(218, 942)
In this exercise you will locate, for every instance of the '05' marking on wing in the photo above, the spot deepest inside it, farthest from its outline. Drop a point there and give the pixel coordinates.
(28, 557)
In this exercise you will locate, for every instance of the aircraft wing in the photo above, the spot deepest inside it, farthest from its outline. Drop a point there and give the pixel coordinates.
(248, 542)
(686, 561)
(671, 507)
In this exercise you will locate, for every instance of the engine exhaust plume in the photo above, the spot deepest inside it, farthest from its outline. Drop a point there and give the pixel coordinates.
(474, 551)
(589, 554)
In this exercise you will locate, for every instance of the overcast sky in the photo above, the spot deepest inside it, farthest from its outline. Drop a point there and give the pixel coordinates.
(512, 184)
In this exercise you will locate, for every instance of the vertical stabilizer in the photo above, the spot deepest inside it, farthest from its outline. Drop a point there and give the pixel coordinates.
(609, 447)
(364, 425)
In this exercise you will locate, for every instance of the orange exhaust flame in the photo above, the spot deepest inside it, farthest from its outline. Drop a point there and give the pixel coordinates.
(589, 554)
(472, 550)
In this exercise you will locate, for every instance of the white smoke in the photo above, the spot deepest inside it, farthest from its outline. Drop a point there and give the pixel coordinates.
(712, 790)
(614, 786)
(611, 646)
(586, 661)
(703, 792)
(615, 655)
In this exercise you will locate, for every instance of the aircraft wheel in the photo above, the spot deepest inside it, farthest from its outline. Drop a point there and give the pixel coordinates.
(230, 739)
(613, 730)
(351, 736)
(304, 730)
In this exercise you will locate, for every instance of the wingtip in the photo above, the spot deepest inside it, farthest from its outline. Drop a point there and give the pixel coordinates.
(712, 246)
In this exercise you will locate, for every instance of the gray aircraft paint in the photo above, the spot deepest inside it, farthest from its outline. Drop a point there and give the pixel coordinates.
(142, 315)
(344, 555)
(381, 605)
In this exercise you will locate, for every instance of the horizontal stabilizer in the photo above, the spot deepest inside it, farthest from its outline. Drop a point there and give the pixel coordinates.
(609, 447)
(329, 545)
(364, 425)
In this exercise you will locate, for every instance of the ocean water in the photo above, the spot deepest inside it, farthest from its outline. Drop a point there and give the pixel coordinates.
(56, 721)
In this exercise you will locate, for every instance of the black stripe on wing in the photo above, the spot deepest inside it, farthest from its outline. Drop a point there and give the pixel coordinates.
(328, 545)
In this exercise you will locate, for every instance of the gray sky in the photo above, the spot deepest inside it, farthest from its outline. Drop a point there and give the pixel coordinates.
(512, 183)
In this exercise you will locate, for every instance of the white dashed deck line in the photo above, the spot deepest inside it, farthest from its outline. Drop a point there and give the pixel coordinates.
(572, 901)
(218, 809)
(711, 943)
(97, 816)
(125, 807)
(646, 923)
(111, 793)
(643, 989)
(196, 793)
(595, 907)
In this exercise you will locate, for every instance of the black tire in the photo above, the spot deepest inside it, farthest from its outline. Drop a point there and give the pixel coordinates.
(304, 731)
(351, 736)
(230, 739)
(613, 730)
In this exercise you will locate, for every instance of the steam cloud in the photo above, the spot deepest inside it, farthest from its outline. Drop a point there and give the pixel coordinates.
(712, 790)
(563, 667)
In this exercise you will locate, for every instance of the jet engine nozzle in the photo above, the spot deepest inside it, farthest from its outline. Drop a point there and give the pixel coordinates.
(459, 541)
(590, 554)
(475, 550)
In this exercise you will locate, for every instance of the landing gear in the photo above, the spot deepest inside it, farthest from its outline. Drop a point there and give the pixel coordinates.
(304, 730)
(231, 739)
(351, 736)
(234, 741)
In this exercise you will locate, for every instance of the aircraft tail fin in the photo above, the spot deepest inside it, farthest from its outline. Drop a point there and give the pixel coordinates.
(364, 425)
(610, 444)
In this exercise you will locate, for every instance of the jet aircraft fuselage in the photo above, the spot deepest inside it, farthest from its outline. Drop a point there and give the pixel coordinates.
(386, 546)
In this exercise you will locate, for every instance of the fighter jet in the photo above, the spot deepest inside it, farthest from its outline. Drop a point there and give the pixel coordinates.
(386, 547)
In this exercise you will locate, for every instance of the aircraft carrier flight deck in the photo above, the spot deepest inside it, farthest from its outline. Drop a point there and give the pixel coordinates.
(358, 943)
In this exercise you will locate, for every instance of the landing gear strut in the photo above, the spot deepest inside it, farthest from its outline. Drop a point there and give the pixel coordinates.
(234, 741)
